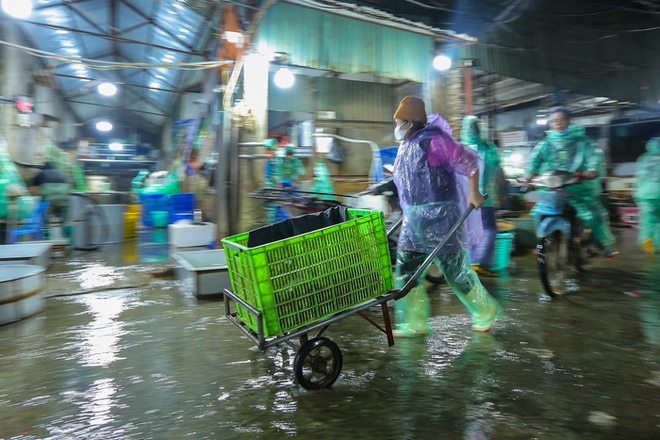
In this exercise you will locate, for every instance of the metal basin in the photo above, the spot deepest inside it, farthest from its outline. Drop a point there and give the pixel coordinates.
(203, 272)
(20, 291)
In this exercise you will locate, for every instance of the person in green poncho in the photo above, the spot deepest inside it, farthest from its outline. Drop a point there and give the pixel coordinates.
(491, 183)
(289, 169)
(647, 196)
(567, 148)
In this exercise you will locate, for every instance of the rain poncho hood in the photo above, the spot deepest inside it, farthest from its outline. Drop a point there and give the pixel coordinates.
(471, 136)
(648, 172)
(431, 173)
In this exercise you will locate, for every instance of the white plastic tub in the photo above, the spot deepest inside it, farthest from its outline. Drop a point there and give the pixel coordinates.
(185, 233)
(37, 254)
(205, 273)
(20, 291)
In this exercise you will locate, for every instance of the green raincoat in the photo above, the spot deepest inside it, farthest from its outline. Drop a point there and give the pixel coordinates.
(647, 193)
(471, 136)
(573, 151)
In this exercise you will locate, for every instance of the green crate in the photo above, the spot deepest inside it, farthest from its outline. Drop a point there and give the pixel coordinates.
(303, 279)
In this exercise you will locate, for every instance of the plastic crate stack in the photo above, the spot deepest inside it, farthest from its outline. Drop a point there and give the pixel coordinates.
(155, 209)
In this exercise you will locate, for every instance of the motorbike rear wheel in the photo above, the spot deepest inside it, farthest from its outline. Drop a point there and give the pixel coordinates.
(553, 262)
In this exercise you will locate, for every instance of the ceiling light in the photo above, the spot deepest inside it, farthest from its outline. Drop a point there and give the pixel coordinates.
(284, 78)
(441, 62)
(107, 89)
(116, 146)
(541, 121)
(103, 126)
(232, 36)
(17, 8)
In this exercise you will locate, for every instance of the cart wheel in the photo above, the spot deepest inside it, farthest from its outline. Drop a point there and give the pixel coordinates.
(317, 364)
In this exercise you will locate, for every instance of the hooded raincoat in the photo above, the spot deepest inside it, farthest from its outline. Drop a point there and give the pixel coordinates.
(573, 151)
(647, 195)
(471, 136)
(431, 173)
(483, 254)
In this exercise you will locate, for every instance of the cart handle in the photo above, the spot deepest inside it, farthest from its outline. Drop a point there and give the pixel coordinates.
(429, 259)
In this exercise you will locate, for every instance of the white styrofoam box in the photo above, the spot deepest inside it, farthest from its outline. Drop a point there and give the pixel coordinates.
(185, 233)
(373, 203)
(205, 273)
(36, 253)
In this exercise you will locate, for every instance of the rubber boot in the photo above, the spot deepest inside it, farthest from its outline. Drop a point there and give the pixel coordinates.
(412, 313)
(647, 245)
(484, 308)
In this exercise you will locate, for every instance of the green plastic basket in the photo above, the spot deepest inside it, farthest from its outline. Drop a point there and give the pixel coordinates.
(303, 279)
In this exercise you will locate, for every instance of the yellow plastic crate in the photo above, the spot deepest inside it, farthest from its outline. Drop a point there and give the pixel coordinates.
(300, 280)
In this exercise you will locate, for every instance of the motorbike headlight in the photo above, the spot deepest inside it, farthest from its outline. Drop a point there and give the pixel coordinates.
(551, 182)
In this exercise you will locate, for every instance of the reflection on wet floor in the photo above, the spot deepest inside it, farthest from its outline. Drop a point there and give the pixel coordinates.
(124, 351)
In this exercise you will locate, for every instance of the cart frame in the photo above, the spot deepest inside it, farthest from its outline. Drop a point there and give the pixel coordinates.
(307, 345)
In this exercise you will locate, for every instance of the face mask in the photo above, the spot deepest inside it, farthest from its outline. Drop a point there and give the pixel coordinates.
(399, 133)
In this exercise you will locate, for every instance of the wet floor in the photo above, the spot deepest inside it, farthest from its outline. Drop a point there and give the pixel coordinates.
(122, 351)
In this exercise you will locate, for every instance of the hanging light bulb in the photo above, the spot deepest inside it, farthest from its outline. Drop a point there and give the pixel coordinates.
(284, 78)
(107, 89)
(17, 8)
(441, 62)
(103, 126)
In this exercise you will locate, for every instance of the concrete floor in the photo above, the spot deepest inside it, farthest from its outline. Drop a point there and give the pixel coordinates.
(124, 351)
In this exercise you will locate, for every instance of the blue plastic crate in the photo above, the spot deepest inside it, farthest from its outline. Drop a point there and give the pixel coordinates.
(151, 203)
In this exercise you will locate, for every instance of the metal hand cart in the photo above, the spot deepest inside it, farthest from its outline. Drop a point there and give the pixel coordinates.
(294, 287)
(295, 202)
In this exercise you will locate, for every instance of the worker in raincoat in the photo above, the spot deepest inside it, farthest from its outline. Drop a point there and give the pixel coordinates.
(271, 176)
(437, 179)
(53, 187)
(289, 169)
(482, 254)
(647, 196)
(567, 148)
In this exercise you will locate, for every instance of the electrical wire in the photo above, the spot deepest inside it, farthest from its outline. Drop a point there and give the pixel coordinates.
(112, 65)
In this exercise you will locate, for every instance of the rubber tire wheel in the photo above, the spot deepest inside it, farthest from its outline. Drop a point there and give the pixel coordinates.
(434, 275)
(317, 363)
(549, 250)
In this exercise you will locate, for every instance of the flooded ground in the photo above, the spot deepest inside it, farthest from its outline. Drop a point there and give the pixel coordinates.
(123, 352)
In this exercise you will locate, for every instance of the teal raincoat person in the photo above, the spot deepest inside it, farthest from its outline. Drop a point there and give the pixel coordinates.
(567, 148)
(482, 255)
(647, 196)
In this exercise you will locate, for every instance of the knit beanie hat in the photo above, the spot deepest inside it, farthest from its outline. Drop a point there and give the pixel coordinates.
(411, 109)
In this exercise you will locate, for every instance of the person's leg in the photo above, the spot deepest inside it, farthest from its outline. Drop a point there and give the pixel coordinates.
(655, 223)
(481, 255)
(645, 230)
(595, 217)
(412, 312)
(466, 285)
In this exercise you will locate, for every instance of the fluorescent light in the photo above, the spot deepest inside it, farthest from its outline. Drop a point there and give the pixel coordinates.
(541, 121)
(284, 78)
(103, 126)
(107, 89)
(17, 8)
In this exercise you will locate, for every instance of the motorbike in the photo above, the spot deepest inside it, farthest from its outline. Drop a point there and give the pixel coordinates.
(563, 243)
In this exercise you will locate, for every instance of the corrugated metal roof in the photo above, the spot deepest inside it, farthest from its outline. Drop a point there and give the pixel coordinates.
(138, 45)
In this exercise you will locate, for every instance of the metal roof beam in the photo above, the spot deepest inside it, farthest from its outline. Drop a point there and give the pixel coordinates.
(153, 23)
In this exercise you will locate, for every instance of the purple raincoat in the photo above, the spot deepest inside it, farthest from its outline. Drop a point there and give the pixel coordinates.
(431, 173)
